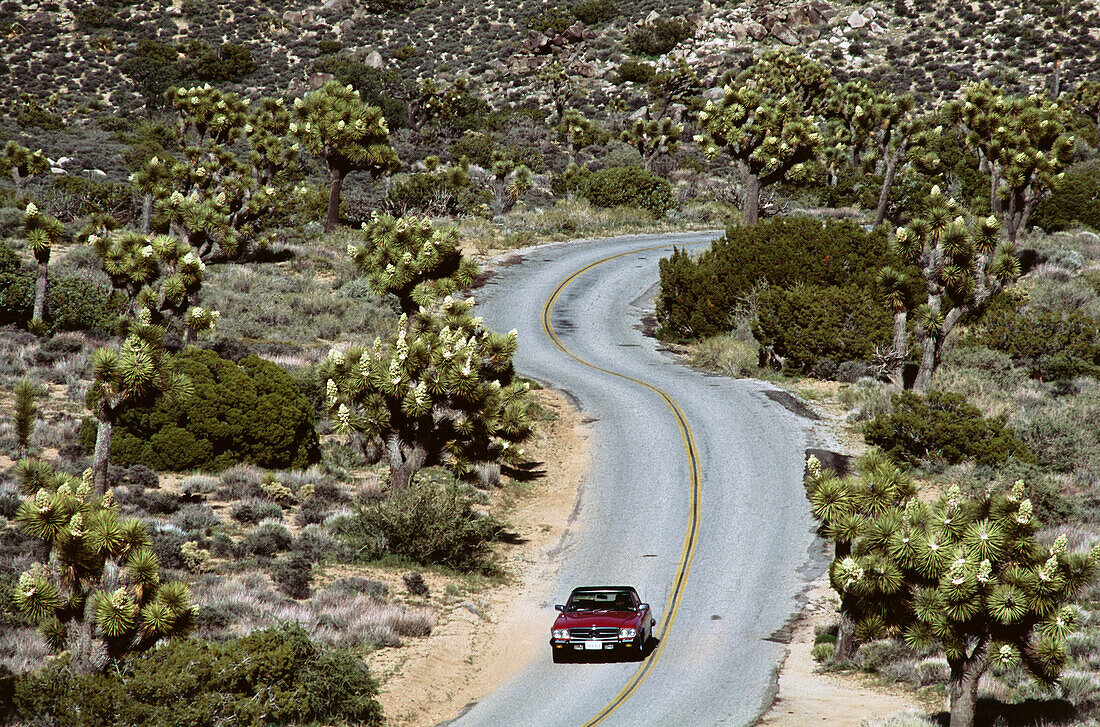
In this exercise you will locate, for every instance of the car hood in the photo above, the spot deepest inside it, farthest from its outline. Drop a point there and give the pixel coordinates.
(618, 619)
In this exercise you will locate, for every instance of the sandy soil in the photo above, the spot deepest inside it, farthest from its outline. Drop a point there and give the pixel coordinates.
(480, 641)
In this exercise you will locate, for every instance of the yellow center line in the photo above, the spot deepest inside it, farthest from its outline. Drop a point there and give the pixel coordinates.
(692, 534)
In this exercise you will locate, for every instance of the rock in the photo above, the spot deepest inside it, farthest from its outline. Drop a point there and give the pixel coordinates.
(855, 20)
(713, 60)
(538, 42)
(575, 32)
(292, 17)
(876, 28)
(374, 60)
(653, 17)
(334, 5)
(317, 80)
(870, 13)
(809, 35)
(756, 30)
(713, 94)
(783, 33)
(676, 112)
(640, 114)
(582, 69)
(739, 31)
(824, 9)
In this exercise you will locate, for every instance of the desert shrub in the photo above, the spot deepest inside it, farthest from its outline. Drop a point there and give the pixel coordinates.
(152, 502)
(293, 576)
(166, 544)
(1051, 507)
(313, 512)
(253, 511)
(475, 146)
(85, 196)
(1063, 435)
(194, 519)
(267, 539)
(554, 19)
(271, 676)
(806, 323)
(636, 71)
(1051, 344)
(227, 62)
(329, 46)
(658, 37)
(866, 398)
(141, 476)
(246, 412)
(623, 187)
(441, 192)
(425, 523)
(314, 544)
(1076, 202)
(943, 427)
(698, 297)
(241, 482)
(76, 304)
(725, 354)
(591, 12)
(875, 655)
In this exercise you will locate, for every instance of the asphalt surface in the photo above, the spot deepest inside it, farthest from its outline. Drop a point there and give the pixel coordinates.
(730, 573)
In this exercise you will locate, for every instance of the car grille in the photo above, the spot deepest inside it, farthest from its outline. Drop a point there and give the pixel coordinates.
(602, 634)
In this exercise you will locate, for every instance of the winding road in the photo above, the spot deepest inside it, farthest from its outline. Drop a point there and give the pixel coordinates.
(694, 496)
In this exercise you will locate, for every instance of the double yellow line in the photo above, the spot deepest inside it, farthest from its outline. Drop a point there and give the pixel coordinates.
(692, 534)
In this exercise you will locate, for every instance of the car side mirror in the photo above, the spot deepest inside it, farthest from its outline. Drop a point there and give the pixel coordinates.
(643, 606)
(559, 607)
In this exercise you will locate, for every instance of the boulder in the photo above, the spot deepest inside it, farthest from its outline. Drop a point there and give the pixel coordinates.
(292, 17)
(653, 17)
(756, 30)
(739, 31)
(374, 60)
(317, 80)
(713, 60)
(856, 20)
(876, 28)
(713, 94)
(784, 34)
(575, 32)
(538, 42)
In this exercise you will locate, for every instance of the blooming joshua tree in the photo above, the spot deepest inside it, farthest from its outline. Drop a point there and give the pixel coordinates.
(22, 163)
(964, 575)
(653, 137)
(413, 260)
(42, 232)
(334, 125)
(98, 595)
(441, 390)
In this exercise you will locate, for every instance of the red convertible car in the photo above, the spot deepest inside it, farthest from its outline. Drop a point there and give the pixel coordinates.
(596, 619)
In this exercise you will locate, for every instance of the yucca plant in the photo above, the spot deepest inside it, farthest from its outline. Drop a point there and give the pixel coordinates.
(42, 232)
(963, 575)
(333, 124)
(653, 137)
(26, 413)
(98, 595)
(22, 163)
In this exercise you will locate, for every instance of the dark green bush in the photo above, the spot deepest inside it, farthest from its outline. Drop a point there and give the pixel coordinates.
(1076, 202)
(943, 428)
(204, 62)
(425, 523)
(697, 297)
(76, 304)
(591, 12)
(87, 196)
(1052, 345)
(636, 71)
(293, 576)
(253, 511)
(267, 539)
(554, 19)
(623, 187)
(270, 677)
(806, 323)
(383, 88)
(658, 37)
(247, 412)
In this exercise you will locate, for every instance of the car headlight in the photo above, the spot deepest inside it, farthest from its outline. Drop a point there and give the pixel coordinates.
(627, 634)
(561, 634)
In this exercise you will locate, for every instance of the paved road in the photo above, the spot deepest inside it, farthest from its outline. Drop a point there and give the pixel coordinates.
(749, 540)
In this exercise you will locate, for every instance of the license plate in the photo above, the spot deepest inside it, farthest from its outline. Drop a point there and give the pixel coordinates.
(593, 645)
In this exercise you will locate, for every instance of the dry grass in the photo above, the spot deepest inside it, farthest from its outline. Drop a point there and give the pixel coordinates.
(726, 355)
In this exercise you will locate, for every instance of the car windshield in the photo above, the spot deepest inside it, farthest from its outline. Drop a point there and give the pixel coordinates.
(601, 601)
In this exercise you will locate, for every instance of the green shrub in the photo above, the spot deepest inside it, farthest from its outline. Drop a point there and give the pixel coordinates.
(1051, 344)
(204, 62)
(425, 523)
(253, 511)
(267, 539)
(591, 12)
(383, 88)
(658, 37)
(247, 412)
(1076, 202)
(807, 323)
(89, 196)
(623, 187)
(943, 427)
(293, 576)
(636, 71)
(273, 676)
(554, 19)
(697, 297)
(441, 192)
(76, 304)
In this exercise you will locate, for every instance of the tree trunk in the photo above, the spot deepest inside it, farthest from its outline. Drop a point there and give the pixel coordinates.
(963, 687)
(751, 205)
(40, 291)
(928, 361)
(845, 649)
(147, 214)
(334, 199)
(102, 450)
(403, 464)
(18, 179)
(884, 193)
(900, 351)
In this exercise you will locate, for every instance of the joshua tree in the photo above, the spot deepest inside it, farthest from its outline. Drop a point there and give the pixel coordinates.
(41, 232)
(512, 181)
(1020, 142)
(965, 575)
(439, 391)
(98, 595)
(765, 123)
(962, 264)
(653, 137)
(578, 131)
(154, 181)
(334, 125)
(560, 86)
(26, 413)
(413, 260)
(1086, 99)
(22, 163)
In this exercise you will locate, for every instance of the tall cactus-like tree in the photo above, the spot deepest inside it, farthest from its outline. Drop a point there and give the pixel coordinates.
(765, 122)
(42, 232)
(964, 575)
(512, 181)
(1021, 142)
(99, 594)
(412, 260)
(652, 138)
(962, 263)
(335, 126)
(441, 390)
(579, 131)
(1086, 99)
(154, 181)
(25, 413)
(22, 163)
